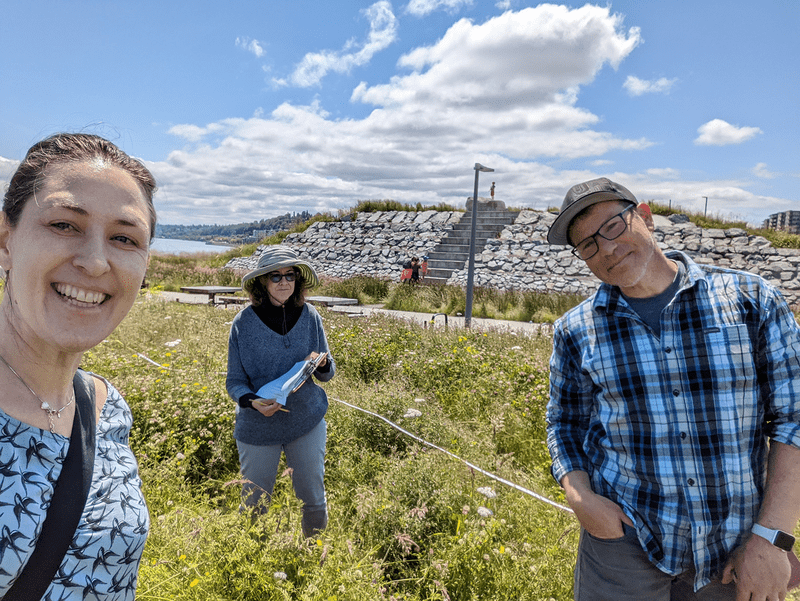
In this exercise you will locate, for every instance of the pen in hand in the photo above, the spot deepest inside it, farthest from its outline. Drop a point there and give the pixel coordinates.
(262, 403)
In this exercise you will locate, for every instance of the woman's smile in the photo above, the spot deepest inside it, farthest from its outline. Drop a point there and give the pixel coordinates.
(84, 297)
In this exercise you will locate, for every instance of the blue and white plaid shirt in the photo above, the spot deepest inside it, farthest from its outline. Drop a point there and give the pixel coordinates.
(675, 428)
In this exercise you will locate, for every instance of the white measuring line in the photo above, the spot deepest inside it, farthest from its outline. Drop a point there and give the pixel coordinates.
(521, 489)
(151, 361)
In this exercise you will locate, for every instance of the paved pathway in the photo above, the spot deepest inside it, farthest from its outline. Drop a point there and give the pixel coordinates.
(427, 320)
(438, 320)
(183, 297)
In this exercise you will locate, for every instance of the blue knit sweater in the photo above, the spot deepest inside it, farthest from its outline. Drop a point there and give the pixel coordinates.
(257, 355)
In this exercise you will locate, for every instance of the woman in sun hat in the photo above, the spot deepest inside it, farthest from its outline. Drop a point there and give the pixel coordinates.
(267, 339)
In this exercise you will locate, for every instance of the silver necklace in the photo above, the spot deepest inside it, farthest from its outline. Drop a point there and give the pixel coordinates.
(44, 404)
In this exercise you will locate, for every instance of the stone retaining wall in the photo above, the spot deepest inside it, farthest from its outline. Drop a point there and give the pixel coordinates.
(377, 244)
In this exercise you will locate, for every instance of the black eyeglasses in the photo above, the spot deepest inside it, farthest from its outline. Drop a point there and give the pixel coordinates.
(277, 277)
(610, 230)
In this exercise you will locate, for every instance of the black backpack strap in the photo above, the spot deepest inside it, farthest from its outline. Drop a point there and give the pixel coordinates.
(69, 499)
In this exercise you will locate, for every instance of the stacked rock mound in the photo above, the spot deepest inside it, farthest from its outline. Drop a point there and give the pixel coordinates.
(377, 244)
(374, 244)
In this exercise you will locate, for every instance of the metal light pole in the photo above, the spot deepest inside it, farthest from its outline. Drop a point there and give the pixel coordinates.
(471, 271)
(706, 209)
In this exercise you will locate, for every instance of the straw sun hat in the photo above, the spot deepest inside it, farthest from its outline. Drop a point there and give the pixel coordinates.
(276, 257)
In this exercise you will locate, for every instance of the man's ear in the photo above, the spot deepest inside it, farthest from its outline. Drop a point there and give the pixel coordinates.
(643, 209)
(5, 235)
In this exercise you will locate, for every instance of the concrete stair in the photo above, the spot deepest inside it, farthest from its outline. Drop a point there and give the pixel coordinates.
(452, 253)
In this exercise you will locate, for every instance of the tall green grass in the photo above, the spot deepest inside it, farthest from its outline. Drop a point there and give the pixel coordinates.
(170, 272)
(488, 303)
(406, 522)
(368, 290)
(372, 206)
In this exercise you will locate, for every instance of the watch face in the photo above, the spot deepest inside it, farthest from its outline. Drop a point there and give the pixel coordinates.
(783, 541)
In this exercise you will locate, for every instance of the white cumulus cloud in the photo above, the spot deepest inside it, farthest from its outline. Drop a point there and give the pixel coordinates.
(194, 133)
(721, 133)
(664, 173)
(760, 170)
(7, 169)
(504, 93)
(251, 46)
(316, 65)
(532, 57)
(637, 87)
(421, 8)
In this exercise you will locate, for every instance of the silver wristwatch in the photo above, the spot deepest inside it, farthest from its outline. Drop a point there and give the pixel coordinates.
(779, 538)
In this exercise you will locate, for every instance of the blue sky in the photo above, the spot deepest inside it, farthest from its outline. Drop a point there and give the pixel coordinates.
(248, 109)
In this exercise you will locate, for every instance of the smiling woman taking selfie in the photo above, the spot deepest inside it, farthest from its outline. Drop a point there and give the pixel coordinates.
(267, 339)
(75, 232)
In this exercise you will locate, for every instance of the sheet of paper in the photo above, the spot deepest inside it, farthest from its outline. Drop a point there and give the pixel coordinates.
(282, 387)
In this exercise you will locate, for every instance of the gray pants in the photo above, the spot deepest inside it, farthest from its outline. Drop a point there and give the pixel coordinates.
(619, 570)
(306, 457)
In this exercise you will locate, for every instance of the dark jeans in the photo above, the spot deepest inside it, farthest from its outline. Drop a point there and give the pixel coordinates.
(619, 570)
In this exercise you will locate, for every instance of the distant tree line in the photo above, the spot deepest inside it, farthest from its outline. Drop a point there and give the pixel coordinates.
(230, 232)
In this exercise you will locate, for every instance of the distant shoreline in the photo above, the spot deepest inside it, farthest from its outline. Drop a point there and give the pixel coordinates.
(178, 246)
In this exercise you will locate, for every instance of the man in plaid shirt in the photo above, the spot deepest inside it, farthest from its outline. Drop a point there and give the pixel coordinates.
(671, 390)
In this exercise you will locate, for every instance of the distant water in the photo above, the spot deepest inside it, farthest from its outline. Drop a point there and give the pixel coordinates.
(178, 247)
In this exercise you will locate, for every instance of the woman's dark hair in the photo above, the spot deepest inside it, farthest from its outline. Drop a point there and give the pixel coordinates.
(260, 296)
(30, 176)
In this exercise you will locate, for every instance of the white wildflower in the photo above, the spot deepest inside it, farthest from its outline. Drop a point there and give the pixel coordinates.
(487, 491)
(485, 512)
(419, 400)
(412, 413)
(279, 575)
(173, 343)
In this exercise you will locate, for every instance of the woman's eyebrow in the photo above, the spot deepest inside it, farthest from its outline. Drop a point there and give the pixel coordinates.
(76, 208)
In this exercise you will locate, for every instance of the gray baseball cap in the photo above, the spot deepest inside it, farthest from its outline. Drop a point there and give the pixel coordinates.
(581, 196)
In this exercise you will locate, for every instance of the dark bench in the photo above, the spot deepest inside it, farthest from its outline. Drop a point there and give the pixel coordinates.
(211, 291)
(231, 300)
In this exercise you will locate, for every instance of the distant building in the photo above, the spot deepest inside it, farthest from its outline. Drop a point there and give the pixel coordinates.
(259, 234)
(788, 221)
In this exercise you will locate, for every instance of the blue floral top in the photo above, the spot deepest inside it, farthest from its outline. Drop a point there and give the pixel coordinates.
(102, 561)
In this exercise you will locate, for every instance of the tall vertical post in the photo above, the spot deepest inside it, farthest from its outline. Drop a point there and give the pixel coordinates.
(473, 230)
(705, 211)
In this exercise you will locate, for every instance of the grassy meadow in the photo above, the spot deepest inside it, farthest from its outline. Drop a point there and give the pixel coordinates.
(407, 522)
